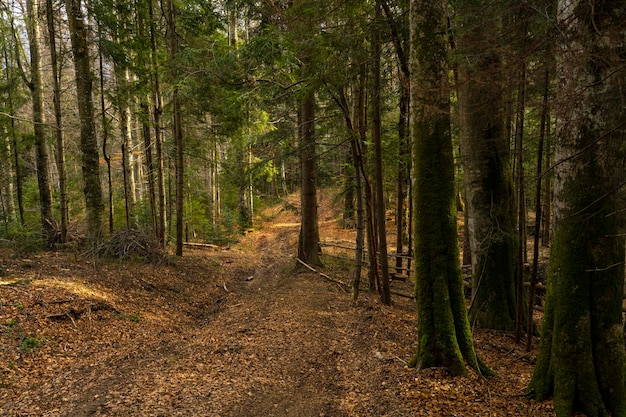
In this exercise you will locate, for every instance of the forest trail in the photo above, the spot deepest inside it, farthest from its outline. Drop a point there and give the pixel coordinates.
(227, 333)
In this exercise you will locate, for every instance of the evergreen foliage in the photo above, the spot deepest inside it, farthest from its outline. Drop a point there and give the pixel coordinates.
(240, 79)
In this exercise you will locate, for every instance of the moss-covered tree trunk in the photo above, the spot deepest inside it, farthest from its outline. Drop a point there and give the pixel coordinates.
(444, 337)
(88, 139)
(490, 218)
(582, 360)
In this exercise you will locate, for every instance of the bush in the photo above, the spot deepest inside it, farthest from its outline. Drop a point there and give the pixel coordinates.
(23, 241)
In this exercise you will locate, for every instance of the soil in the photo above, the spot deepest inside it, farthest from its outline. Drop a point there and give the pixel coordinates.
(236, 331)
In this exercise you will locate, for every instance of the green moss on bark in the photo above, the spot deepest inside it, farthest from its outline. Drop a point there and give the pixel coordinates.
(582, 361)
(443, 326)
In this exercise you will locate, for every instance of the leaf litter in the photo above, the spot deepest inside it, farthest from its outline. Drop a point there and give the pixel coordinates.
(229, 332)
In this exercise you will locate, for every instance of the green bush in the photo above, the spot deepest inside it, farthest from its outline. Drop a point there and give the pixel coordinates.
(23, 241)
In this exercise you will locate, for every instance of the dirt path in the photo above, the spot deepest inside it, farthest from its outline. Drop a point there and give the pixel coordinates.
(229, 333)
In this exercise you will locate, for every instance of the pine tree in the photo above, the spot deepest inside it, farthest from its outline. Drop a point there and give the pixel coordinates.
(444, 337)
(582, 360)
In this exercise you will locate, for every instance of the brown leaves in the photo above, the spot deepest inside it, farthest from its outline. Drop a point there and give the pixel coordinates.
(133, 339)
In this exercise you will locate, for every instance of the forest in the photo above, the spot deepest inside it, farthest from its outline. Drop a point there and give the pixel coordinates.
(168, 165)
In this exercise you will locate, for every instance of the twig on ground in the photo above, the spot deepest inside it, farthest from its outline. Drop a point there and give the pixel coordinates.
(341, 284)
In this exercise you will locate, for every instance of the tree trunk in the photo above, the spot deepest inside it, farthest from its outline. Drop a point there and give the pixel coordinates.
(158, 136)
(582, 360)
(177, 128)
(215, 171)
(7, 179)
(360, 108)
(404, 148)
(150, 165)
(58, 128)
(15, 156)
(489, 215)
(358, 254)
(546, 230)
(88, 139)
(356, 161)
(444, 336)
(522, 253)
(242, 183)
(404, 151)
(349, 176)
(130, 201)
(35, 86)
(308, 244)
(384, 289)
(105, 133)
(545, 117)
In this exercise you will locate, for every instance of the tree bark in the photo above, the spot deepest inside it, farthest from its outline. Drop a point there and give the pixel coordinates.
(150, 165)
(41, 147)
(489, 217)
(88, 140)
(177, 128)
(130, 200)
(444, 336)
(15, 156)
(308, 244)
(582, 360)
(360, 126)
(544, 121)
(58, 128)
(404, 147)
(384, 288)
(522, 253)
(105, 133)
(158, 135)
(356, 162)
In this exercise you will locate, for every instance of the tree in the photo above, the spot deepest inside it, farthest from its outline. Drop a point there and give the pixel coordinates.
(58, 117)
(582, 360)
(308, 243)
(444, 337)
(10, 105)
(157, 110)
(88, 140)
(384, 289)
(399, 39)
(36, 89)
(490, 221)
(177, 125)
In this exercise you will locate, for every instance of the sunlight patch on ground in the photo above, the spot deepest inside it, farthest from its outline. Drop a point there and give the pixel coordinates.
(10, 281)
(75, 288)
(279, 225)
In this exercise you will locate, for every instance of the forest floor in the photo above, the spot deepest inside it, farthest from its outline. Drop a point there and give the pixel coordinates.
(229, 332)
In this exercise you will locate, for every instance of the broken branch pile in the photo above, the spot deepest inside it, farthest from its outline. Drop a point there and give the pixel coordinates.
(130, 244)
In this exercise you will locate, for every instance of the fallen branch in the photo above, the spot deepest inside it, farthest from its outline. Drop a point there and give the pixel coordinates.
(76, 313)
(399, 294)
(201, 245)
(341, 285)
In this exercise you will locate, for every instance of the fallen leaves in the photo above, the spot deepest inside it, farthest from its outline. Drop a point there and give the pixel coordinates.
(197, 337)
